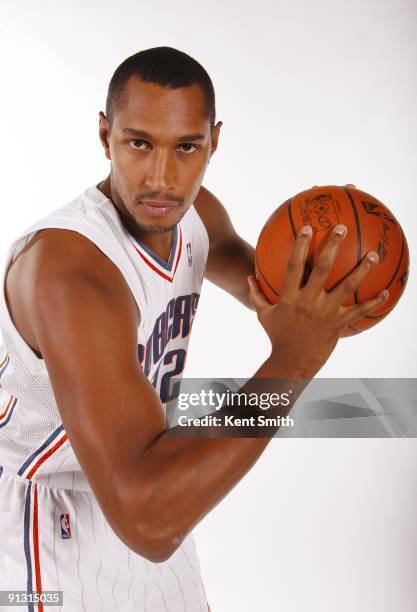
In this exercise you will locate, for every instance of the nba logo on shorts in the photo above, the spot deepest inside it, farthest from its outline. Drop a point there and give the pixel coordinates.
(65, 527)
(190, 257)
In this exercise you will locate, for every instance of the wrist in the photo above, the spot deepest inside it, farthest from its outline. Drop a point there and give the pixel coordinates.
(288, 371)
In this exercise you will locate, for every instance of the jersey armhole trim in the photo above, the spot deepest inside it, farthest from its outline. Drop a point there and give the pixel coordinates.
(34, 362)
(202, 226)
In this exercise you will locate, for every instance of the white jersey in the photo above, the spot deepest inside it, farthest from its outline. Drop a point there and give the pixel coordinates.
(53, 534)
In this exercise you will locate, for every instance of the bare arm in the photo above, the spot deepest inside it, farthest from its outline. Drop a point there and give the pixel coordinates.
(231, 259)
(153, 488)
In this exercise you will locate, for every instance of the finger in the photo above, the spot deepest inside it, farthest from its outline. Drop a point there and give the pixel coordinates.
(296, 263)
(325, 261)
(351, 283)
(256, 294)
(350, 314)
(350, 185)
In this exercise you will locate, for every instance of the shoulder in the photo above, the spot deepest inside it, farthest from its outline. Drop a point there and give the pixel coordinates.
(58, 269)
(53, 252)
(214, 216)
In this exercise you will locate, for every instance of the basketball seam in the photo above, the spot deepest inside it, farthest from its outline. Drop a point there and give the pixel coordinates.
(354, 328)
(358, 237)
(289, 202)
(264, 277)
(291, 219)
(378, 316)
(399, 263)
(392, 279)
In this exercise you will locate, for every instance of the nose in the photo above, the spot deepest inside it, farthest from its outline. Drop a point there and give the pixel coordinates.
(160, 171)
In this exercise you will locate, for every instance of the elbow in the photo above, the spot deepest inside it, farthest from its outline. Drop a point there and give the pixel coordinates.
(144, 534)
(152, 548)
(159, 556)
(144, 542)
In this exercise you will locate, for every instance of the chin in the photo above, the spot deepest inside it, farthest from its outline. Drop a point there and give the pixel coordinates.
(157, 227)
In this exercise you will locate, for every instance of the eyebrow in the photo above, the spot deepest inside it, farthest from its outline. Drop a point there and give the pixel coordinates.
(147, 136)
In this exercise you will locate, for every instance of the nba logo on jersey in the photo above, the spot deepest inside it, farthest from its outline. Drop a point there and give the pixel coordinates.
(65, 527)
(190, 257)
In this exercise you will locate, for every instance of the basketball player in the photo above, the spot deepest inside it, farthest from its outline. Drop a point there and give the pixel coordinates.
(96, 500)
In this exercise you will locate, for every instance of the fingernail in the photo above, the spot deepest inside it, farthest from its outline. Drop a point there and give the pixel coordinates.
(385, 294)
(306, 229)
(340, 229)
(373, 257)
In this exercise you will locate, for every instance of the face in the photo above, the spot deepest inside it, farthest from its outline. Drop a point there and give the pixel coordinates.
(159, 144)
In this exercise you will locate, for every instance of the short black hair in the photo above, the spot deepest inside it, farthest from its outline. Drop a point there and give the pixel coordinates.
(164, 66)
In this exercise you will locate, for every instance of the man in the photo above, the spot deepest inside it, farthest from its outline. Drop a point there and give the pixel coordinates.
(97, 500)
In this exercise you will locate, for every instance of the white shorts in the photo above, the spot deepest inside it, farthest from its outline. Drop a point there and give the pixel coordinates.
(54, 539)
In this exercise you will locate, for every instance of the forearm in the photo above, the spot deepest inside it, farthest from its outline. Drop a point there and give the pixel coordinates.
(232, 267)
(185, 478)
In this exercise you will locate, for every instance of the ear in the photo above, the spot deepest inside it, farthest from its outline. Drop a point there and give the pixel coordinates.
(215, 133)
(104, 133)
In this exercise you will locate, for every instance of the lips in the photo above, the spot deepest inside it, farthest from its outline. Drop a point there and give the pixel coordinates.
(158, 208)
(162, 203)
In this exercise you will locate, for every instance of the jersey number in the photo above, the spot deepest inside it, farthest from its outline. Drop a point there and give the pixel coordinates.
(178, 358)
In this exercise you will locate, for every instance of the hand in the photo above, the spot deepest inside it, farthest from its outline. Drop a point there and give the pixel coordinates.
(306, 323)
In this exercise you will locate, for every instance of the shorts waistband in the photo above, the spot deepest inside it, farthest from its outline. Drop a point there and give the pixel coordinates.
(67, 481)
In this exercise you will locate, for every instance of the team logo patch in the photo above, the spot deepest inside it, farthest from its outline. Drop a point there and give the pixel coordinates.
(189, 254)
(65, 527)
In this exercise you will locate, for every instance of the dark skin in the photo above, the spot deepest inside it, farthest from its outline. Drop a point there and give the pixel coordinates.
(67, 299)
(161, 163)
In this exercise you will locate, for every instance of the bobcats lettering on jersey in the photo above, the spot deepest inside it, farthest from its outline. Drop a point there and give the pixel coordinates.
(175, 321)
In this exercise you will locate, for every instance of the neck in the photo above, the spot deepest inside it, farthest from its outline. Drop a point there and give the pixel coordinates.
(158, 242)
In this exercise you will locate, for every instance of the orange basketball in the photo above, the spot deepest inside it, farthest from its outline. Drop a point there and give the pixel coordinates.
(371, 227)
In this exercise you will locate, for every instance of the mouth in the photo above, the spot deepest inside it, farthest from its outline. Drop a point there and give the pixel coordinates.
(157, 208)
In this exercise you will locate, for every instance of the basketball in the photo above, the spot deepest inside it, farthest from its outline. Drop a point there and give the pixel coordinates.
(371, 227)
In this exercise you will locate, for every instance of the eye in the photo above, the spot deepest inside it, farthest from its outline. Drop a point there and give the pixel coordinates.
(188, 147)
(137, 144)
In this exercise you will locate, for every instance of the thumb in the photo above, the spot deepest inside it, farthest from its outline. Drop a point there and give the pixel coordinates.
(256, 294)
